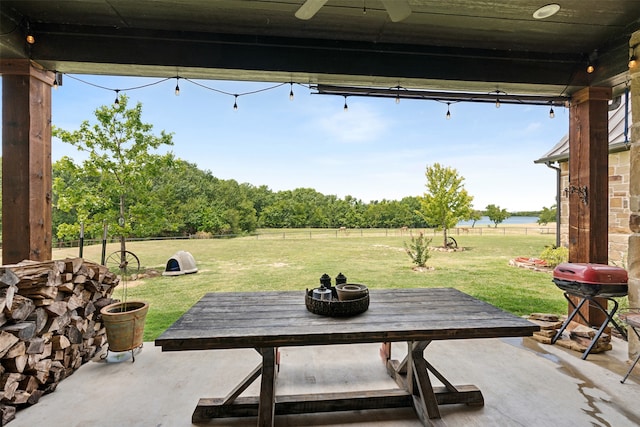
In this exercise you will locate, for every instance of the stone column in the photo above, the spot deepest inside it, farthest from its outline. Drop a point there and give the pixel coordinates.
(26, 161)
(633, 257)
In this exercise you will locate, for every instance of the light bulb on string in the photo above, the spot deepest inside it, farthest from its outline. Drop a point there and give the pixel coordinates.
(235, 102)
(177, 91)
(552, 114)
(30, 38)
(397, 99)
(633, 59)
(346, 107)
(55, 81)
(497, 102)
(448, 115)
(291, 92)
(590, 68)
(117, 101)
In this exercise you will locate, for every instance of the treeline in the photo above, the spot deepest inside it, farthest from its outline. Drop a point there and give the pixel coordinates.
(188, 200)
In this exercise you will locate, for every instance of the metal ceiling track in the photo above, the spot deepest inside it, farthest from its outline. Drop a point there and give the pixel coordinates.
(402, 93)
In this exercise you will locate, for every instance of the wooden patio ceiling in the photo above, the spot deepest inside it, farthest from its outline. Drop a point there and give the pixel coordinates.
(455, 45)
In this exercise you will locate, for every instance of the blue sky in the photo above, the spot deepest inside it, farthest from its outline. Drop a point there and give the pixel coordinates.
(376, 150)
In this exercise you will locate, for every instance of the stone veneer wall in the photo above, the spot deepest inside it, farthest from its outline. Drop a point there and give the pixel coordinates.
(619, 209)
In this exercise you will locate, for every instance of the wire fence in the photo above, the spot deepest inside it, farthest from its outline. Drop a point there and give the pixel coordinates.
(332, 233)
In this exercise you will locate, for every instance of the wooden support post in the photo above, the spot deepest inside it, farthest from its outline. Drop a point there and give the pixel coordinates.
(588, 190)
(26, 161)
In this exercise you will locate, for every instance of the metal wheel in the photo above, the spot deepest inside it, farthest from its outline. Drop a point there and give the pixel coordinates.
(123, 263)
(451, 243)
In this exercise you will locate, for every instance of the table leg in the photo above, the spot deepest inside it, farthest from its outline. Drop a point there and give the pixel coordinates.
(412, 375)
(267, 405)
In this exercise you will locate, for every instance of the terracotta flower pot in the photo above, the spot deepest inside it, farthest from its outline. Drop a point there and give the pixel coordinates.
(124, 323)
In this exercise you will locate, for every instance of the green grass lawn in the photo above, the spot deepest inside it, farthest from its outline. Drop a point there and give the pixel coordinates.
(252, 264)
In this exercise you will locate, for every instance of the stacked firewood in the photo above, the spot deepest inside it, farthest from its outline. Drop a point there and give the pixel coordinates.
(49, 326)
(579, 336)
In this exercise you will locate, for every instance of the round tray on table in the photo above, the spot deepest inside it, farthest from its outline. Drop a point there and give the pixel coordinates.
(335, 308)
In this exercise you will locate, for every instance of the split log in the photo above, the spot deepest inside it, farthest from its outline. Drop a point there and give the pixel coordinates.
(73, 265)
(60, 342)
(58, 308)
(18, 349)
(20, 308)
(41, 292)
(35, 346)
(20, 397)
(40, 317)
(73, 334)
(23, 330)
(7, 341)
(9, 383)
(16, 364)
(7, 414)
(35, 397)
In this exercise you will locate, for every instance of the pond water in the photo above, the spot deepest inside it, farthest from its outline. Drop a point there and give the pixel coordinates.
(512, 220)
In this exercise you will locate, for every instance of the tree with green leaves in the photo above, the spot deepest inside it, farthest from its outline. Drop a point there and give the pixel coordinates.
(474, 216)
(446, 201)
(547, 215)
(496, 215)
(113, 184)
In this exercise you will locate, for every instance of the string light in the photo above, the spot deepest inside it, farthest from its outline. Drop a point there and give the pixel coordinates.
(364, 7)
(591, 61)
(30, 38)
(633, 60)
(497, 93)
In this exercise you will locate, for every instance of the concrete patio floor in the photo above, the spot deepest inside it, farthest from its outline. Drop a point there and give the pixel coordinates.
(524, 383)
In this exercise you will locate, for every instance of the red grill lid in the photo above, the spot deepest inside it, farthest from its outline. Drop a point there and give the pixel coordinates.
(600, 274)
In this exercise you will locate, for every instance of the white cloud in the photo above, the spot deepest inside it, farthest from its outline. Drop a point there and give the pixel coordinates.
(361, 123)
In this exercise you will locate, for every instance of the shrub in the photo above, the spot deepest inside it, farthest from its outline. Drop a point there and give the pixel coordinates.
(418, 250)
(554, 255)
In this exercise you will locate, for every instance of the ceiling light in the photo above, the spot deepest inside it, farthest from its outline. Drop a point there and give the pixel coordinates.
(546, 11)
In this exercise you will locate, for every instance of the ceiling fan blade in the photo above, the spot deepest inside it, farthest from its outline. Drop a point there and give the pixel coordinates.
(309, 8)
(398, 10)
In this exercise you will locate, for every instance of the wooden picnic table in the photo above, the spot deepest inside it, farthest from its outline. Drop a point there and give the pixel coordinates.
(268, 320)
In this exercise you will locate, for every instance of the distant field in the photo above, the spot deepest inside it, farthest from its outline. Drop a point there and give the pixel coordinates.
(251, 264)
